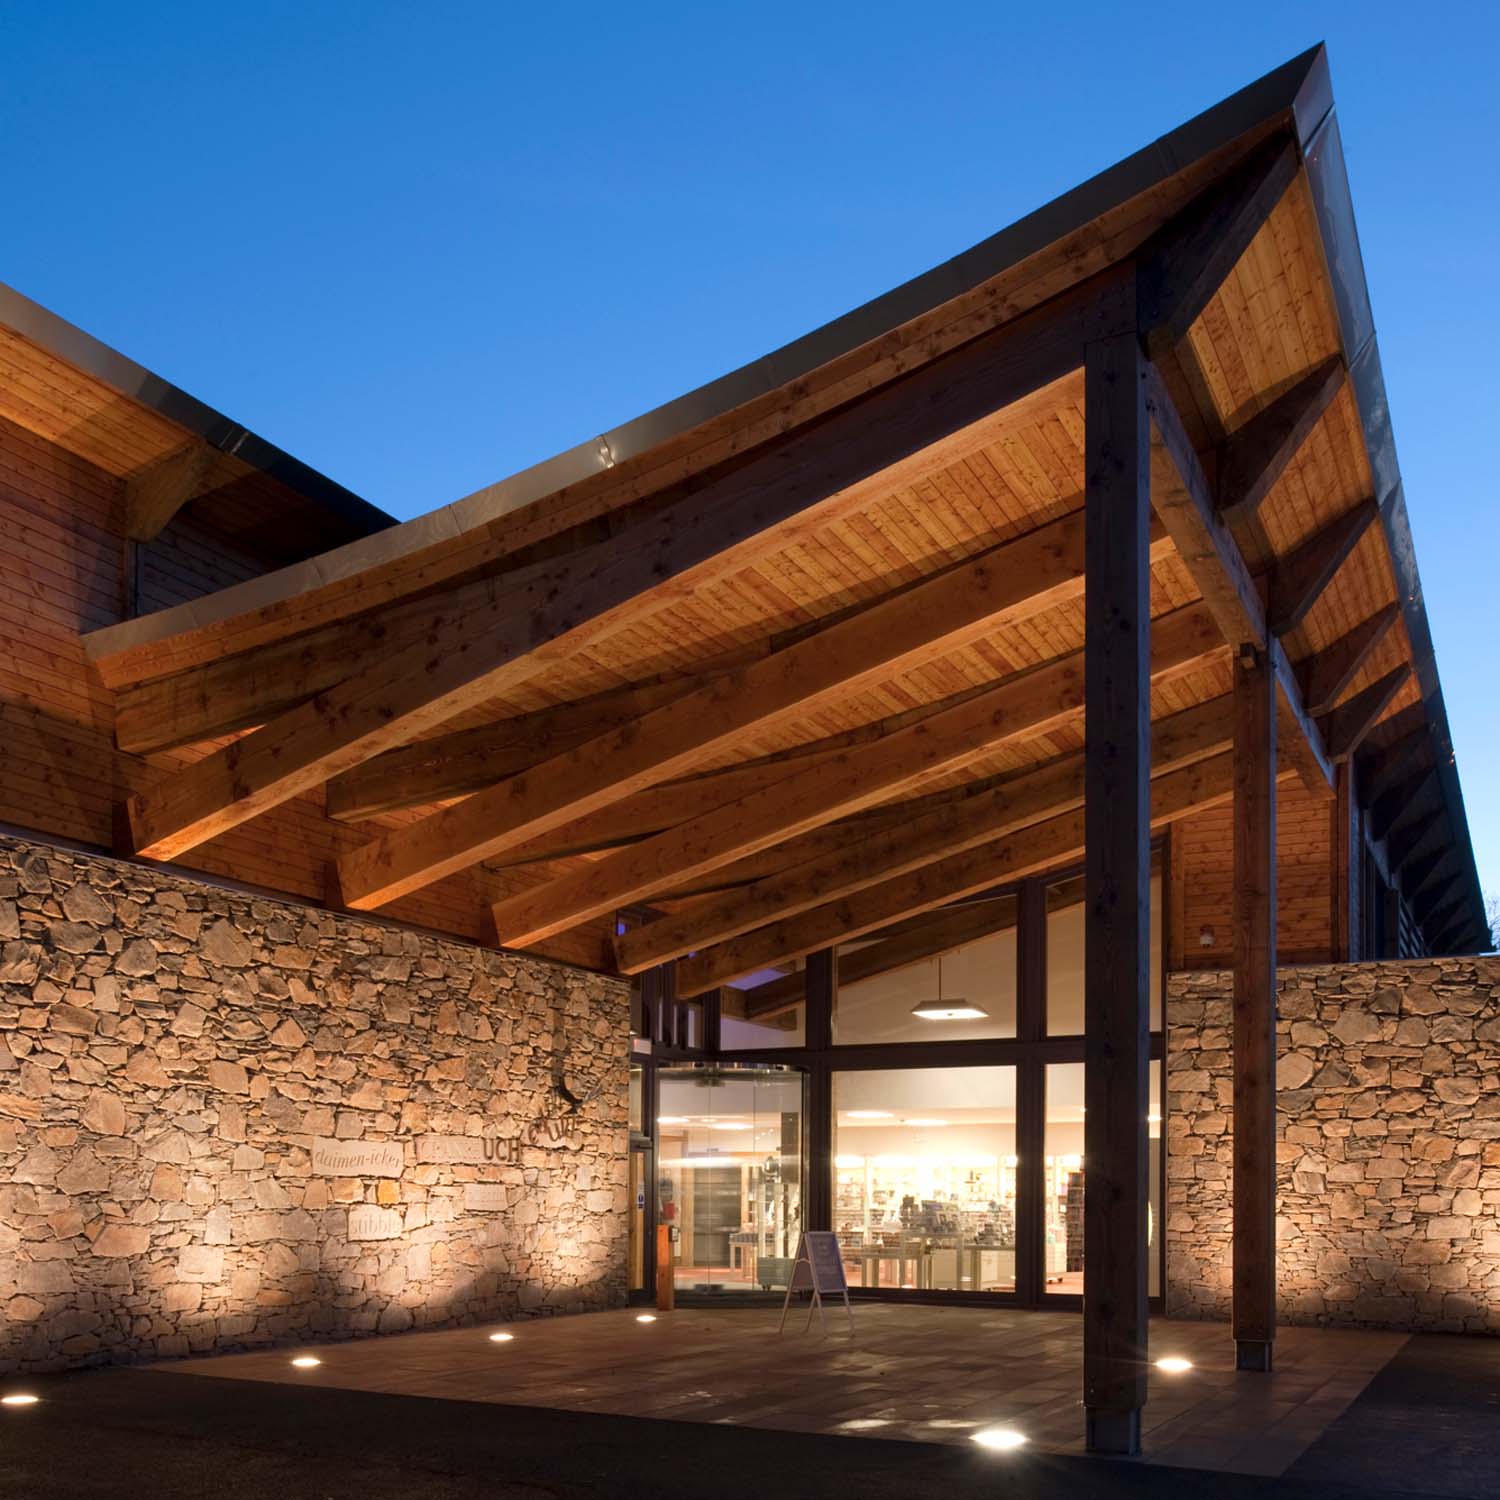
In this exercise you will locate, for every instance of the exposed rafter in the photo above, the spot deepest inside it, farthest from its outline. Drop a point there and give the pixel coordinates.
(938, 932)
(1044, 696)
(1255, 455)
(1186, 261)
(1026, 798)
(1042, 846)
(155, 494)
(1299, 578)
(1414, 838)
(950, 610)
(1345, 727)
(1384, 766)
(1181, 497)
(1389, 808)
(856, 452)
(1327, 676)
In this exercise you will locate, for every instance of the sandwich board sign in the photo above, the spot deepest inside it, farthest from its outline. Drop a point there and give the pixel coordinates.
(819, 1269)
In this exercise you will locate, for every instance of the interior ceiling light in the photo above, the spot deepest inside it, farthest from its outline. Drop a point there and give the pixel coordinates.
(672, 1119)
(868, 1114)
(940, 1009)
(925, 1123)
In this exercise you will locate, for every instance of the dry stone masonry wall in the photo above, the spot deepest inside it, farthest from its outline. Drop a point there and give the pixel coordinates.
(1388, 1144)
(229, 1122)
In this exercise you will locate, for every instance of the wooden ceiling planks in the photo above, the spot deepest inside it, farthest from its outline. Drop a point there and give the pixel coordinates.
(1269, 323)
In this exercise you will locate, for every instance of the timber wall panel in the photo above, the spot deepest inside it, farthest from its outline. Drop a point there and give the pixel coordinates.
(61, 573)
(1303, 878)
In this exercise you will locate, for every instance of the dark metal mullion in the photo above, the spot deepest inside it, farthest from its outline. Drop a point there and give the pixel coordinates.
(821, 996)
(1030, 1125)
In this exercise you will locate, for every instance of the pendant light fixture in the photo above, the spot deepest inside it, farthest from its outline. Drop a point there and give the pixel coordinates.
(940, 1009)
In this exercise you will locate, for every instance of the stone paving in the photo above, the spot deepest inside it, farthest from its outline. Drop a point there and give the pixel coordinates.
(931, 1374)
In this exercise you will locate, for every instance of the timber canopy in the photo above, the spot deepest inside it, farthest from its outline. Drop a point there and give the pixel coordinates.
(798, 657)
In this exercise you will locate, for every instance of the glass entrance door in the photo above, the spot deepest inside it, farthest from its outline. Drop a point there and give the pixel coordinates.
(730, 1173)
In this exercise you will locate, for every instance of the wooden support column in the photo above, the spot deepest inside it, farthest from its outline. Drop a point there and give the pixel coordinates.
(1254, 1009)
(1117, 874)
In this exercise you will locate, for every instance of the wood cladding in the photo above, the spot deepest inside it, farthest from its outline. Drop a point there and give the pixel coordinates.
(63, 571)
(1303, 880)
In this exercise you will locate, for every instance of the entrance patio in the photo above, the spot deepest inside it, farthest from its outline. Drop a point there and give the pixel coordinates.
(926, 1374)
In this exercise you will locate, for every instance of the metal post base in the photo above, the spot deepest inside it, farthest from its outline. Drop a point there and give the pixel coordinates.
(1253, 1354)
(1116, 1432)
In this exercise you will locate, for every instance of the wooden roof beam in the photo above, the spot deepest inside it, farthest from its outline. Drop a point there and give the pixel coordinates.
(1299, 579)
(1346, 726)
(155, 494)
(470, 760)
(1422, 876)
(1041, 846)
(1186, 261)
(1384, 766)
(1028, 797)
(951, 609)
(673, 802)
(1388, 809)
(1326, 676)
(1048, 695)
(858, 451)
(1412, 839)
(1181, 496)
(1255, 455)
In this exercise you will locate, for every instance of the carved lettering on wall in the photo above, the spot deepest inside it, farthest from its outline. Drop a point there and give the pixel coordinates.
(356, 1158)
(370, 1222)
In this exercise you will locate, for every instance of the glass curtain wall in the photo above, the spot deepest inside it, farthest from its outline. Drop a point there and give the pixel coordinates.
(925, 1177)
(943, 1130)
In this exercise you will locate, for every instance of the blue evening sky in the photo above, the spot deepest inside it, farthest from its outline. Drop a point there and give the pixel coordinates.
(423, 246)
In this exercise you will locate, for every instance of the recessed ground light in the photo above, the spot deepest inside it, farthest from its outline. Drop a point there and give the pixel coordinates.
(20, 1398)
(868, 1114)
(501, 1338)
(1174, 1364)
(306, 1362)
(645, 1317)
(1003, 1439)
(925, 1124)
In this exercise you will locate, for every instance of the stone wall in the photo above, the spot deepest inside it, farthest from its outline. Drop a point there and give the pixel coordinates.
(1388, 1144)
(229, 1122)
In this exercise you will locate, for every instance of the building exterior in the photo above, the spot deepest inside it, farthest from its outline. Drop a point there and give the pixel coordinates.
(850, 797)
